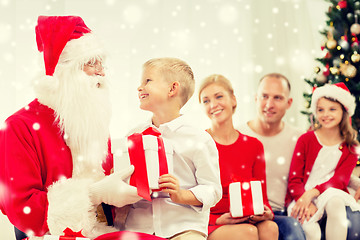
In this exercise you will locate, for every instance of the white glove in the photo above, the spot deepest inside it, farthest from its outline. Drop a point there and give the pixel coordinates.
(113, 190)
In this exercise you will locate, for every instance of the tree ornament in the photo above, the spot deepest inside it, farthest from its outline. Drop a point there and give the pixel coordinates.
(336, 62)
(331, 43)
(357, 5)
(321, 78)
(354, 38)
(348, 70)
(355, 28)
(327, 55)
(317, 70)
(342, 4)
(306, 104)
(350, 17)
(355, 57)
(355, 46)
(334, 71)
(343, 43)
(326, 71)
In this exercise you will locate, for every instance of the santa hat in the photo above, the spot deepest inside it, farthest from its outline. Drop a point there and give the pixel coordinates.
(65, 38)
(337, 91)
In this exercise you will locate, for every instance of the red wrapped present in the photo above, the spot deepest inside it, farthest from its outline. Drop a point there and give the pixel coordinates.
(151, 156)
(54, 237)
(68, 235)
(126, 235)
(246, 199)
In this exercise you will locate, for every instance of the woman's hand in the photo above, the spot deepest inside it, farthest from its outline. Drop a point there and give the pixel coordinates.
(301, 207)
(227, 219)
(268, 215)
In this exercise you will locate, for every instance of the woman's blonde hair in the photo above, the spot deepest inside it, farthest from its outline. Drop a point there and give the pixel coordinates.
(217, 79)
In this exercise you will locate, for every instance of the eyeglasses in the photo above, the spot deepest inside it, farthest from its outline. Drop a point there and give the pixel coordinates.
(96, 65)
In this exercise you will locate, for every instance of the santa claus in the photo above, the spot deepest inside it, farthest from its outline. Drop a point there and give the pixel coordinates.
(55, 152)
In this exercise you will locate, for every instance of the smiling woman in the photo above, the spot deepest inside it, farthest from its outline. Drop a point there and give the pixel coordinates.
(241, 159)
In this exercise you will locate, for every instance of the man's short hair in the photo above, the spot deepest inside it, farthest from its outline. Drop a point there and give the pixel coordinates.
(279, 76)
(173, 69)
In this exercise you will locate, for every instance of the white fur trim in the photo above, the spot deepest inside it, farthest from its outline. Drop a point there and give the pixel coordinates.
(70, 207)
(35, 238)
(82, 49)
(334, 92)
(45, 86)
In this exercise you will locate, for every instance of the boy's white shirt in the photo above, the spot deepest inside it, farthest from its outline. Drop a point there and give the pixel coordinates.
(196, 166)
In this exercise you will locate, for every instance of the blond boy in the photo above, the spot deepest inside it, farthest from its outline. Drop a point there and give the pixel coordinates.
(194, 187)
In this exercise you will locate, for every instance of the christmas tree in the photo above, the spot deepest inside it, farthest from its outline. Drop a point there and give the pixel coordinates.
(341, 59)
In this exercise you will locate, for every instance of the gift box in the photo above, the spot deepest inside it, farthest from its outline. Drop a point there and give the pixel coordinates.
(127, 235)
(246, 199)
(54, 237)
(68, 235)
(151, 155)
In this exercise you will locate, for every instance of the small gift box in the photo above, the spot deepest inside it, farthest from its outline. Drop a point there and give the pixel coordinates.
(54, 237)
(127, 235)
(151, 155)
(246, 199)
(68, 235)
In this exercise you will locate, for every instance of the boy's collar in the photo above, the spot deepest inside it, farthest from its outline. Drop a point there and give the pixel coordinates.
(172, 125)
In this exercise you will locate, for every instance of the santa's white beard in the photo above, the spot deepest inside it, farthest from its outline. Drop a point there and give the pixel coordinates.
(83, 111)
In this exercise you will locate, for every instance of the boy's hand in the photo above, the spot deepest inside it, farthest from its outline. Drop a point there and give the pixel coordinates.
(170, 184)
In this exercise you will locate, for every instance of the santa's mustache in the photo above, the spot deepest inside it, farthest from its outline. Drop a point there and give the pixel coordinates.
(97, 81)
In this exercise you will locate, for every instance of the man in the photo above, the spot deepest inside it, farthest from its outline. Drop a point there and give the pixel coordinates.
(279, 140)
(54, 153)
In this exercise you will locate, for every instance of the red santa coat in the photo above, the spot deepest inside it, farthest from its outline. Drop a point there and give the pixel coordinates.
(33, 156)
(305, 154)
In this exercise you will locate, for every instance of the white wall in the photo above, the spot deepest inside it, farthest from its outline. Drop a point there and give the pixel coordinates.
(241, 39)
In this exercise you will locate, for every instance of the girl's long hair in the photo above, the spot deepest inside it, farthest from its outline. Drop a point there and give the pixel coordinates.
(346, 130)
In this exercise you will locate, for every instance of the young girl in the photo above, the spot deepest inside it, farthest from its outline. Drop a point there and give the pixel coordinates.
(240, 157)
(322, 163)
